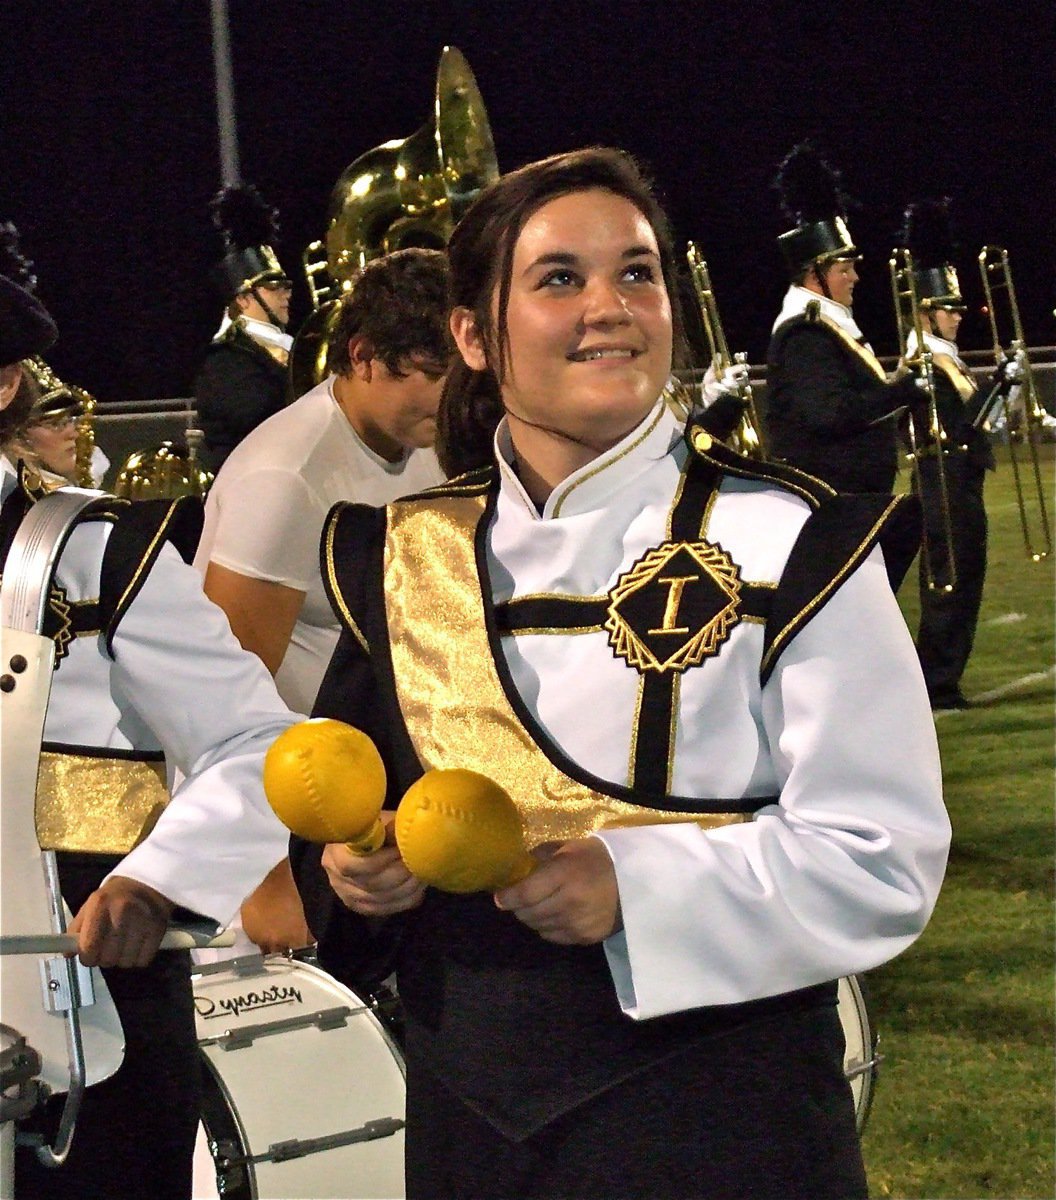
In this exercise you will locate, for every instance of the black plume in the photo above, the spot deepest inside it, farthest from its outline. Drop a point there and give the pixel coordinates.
(809, 188)
(926, 233)
(13, 263)
(243, 217)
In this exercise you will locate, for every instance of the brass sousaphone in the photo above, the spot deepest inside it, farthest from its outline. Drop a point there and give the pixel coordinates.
(408, 192)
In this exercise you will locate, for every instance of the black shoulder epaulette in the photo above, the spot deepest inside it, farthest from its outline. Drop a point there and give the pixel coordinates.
(840, 531)
(470, 483)
(141, 529)
(790, 479)
(832, 543)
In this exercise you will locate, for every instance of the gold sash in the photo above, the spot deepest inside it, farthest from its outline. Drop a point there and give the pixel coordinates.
(449, 688)
(961, 380)
(856, 347)
(97, 805)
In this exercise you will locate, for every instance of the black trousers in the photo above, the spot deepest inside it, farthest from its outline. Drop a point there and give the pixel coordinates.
(763, 1113)
(134, 1138)
(948, 620)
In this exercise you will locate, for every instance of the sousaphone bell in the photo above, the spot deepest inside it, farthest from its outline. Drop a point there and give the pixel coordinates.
(407, 192)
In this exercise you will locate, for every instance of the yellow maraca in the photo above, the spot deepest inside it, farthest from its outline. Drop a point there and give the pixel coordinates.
(326, 782)
(459, 831)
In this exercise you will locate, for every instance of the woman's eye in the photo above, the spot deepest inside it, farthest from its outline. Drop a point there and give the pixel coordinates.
(640, 273)
(559, 277)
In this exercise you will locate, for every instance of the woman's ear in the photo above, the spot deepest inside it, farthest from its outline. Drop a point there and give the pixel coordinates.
(468, 339)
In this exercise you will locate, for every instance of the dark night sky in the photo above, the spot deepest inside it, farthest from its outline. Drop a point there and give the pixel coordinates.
(110, 152)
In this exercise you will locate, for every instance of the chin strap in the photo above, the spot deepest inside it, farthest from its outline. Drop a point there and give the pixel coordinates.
(264, 305)
(819, 275)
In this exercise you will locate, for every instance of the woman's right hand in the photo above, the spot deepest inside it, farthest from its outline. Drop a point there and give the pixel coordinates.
(373, 885)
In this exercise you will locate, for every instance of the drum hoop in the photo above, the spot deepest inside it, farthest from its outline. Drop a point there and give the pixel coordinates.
(221, 1119)
(857, 990)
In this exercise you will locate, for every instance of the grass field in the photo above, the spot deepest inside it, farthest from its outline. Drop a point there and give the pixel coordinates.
(964, 1105)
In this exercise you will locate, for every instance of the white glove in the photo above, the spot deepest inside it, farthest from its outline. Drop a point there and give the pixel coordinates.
(1014, 370)
(732, 382)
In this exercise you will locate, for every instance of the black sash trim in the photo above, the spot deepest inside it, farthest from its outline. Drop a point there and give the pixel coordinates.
(141, 530)
(587, 614)
(831, 544)
(120, 755)
(353, 537)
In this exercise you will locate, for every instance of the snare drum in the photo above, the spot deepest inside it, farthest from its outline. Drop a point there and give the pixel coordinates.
(304, 1088)
(860, 1059)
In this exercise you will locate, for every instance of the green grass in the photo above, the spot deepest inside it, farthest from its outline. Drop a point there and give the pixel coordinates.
(964, 1105)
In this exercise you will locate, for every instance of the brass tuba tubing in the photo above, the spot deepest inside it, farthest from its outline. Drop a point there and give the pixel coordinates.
(745, 439)
(907, 305)
(997, 279)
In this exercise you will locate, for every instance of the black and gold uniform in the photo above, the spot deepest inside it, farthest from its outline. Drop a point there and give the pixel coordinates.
(948, 618)
(244, 379)
(831, 409)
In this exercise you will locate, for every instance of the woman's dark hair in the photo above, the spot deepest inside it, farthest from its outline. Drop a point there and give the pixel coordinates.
(481, 257)
(398, 304)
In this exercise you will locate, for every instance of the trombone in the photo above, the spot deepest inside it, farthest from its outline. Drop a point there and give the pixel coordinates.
(745, 438)
(997, 277)
(907, 308)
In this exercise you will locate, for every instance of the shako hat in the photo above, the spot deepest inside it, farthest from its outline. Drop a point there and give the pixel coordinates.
(25, 326)
(56, 396)
(249, 226)
(811, 198)
(926, 234)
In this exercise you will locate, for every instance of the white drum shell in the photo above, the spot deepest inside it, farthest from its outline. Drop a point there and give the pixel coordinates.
(301, 1082)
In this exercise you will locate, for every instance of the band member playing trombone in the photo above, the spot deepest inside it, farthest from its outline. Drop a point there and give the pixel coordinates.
(831, 410)
(954, 511)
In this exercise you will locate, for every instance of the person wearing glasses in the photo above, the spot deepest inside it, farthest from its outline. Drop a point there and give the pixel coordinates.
(243, 379)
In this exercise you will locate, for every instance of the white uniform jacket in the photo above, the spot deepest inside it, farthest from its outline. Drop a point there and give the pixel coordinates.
(842, 872)
(173, 679)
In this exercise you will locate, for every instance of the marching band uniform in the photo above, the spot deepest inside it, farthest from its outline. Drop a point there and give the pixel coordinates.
(749, 758)
(241, 383)
(148, 679)
(830, 410)
(948, 620)
(243, 379)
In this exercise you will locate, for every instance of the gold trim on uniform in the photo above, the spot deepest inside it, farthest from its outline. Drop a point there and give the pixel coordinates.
(335, 590)
(448, 685)
(608, 462)
(97, 805)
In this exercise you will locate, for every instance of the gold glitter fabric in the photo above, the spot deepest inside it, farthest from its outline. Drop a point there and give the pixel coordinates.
(97, 805)
(452, 699)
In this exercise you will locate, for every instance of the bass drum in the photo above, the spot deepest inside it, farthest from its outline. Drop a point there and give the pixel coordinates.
(303, 1086)
(860, 1059)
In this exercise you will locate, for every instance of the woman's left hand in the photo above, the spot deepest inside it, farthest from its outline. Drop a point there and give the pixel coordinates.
(571, 898)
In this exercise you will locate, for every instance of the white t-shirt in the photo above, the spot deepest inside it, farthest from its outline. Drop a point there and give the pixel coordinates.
(264, 516)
